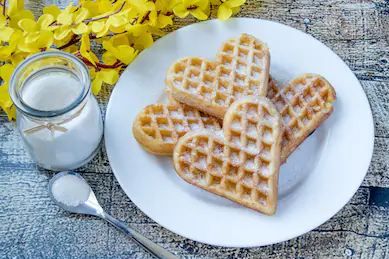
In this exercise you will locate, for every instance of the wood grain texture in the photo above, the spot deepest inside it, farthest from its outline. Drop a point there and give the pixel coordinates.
(32, 226)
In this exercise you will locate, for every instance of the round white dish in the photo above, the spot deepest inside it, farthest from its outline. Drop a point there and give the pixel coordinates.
(316, 182)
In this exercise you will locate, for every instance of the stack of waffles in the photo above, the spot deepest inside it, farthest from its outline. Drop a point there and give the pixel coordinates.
(229, 126)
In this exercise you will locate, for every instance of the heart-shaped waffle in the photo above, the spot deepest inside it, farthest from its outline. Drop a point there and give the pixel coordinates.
(158, 126)
(303, 104)
(241, 69)
(243, 163)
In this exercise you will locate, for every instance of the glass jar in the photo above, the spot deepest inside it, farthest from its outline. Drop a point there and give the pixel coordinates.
(57, 116)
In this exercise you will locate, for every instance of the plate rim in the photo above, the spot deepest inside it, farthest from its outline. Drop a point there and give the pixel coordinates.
(369, 152)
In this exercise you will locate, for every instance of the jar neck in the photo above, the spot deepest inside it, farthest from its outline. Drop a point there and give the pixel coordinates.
(68, 115)
(50, 85)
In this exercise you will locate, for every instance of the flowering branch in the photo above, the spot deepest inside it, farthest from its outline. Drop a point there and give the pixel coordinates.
(72, 41)
(99, 65)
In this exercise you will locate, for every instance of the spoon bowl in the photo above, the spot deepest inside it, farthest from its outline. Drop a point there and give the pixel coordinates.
(89, 207)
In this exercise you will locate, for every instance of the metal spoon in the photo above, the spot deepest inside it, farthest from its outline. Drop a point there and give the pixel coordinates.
(92, 207)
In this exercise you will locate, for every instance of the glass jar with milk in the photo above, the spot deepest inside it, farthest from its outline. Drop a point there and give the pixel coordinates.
(57, 116)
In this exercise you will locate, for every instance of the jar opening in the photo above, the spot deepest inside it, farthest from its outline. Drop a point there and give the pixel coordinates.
(49, 84)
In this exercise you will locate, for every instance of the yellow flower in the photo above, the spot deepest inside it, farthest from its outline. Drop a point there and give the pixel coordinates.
(105, 7)
(18, 57)
(165, 6)
(36, 35)
(85, 50)
(53, 10)
(136, 29)
(109, 76)
(14, 7)
(147, 12)
(115, 23)
(37, 42)
(108, 58)
(71, 21)
(143, 41)
(198, 8)
(5, 31)
(120, 50)
(229, 7)
(22, 14)
(6, 72)
(43, 23)
(5, 100)
(6, 51)
(165, 12)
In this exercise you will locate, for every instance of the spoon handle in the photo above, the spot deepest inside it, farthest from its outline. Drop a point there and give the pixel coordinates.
(144, 242)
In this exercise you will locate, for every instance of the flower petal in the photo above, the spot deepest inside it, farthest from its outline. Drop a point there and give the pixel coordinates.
(52, 9)
(164, 20)
(181, 11)
(45, 20)
(6, 33)
(108, 58)
(199, 14)
(85, 50)
(82, 28)
(117, 20)
(81, 15)
(97, 26)
(235, 3)
(65, 18)
(96, 85)
(143, 41)
(6, 72)
(32, 37)
(27, 25)
(62, 32)
(109, 76)
(223, 13)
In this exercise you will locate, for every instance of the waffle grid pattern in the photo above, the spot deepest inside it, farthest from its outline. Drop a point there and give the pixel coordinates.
(241, 70)
(303, 104)
(239, 165)
(167, 123)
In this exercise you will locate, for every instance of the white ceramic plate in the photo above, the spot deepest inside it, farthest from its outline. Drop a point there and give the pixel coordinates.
(318, 179)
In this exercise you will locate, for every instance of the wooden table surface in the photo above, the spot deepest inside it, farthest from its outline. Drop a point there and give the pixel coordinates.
(357, 30)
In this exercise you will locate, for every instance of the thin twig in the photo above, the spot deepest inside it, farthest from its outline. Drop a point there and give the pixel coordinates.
(146, 17)
(105, 16)
(4, 5)
(191, 7)
(76, 39)
(71, 42)
(99, 65)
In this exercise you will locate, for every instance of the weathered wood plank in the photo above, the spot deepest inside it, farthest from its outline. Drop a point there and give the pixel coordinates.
(368, 59)
(378, 95)
(378, 173)
(357, 30)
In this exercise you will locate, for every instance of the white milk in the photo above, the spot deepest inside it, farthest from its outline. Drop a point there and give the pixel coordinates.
(54, 149)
